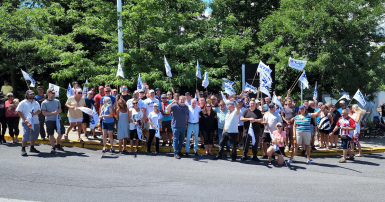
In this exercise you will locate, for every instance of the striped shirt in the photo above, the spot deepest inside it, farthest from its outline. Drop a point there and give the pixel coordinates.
(324, 123)
(303, 124)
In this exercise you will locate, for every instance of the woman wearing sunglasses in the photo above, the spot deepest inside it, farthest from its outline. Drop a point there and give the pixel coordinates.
(278, 138)
(136, 121)
(123, 125)
(75, 116)
(208, 126)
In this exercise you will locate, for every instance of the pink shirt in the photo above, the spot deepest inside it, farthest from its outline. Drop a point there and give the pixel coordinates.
(280, 137)
(8, 112)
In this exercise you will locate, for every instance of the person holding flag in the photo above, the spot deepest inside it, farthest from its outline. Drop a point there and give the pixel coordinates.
(86, 117)
(136, 122)
(28, 110)
(51, 109)
(75, 116)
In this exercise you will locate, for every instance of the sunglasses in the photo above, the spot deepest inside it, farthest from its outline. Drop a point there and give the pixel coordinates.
(52, 93)
(135, 103)
(108, 91)
(79, 93)
(271, 107)
(10, 96)
(208, 106)
(168, 94)
(90, 94)
(164, 98)
(279, 126)
(124, 88)
(221, 105)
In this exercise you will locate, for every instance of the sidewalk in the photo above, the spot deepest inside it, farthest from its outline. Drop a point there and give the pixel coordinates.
(373, 145)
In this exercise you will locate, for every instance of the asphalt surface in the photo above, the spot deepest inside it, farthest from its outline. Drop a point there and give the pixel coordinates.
(80, 174)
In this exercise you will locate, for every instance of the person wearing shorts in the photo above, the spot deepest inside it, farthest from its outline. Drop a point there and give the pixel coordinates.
(347, 126)
(289, 112)
(51, 109)
(270, 120)
(107, 114)
(75, 116)
(166, 121)
(302, 124)
(28, 110)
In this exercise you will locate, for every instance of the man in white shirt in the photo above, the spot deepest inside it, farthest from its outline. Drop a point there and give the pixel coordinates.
(28, 110)
(149, 104)
(230, 130)
(193, 126)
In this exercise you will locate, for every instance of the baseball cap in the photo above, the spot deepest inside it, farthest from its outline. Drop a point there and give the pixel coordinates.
(278, 124)
(257, 101)
(156, 104)
(136, 92)
(140, 91)
(200, 92)
(152, 91)
(6, 81)
(157, 89)
(342, 101)
(101, 87)
(10, 94)
(187, 93)
(230, 103)
(239, 100)
(334, 106)
(29, 92)
(271, 105)
(301, 107)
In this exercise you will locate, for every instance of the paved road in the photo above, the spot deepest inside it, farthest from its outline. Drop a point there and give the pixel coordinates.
(80, 174)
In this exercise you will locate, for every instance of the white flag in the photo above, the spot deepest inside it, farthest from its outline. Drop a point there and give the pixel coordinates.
(297, 64)
(198, 73)
(262, 68)
(28, 77)
(229, 90)
(56, 88)
(226, 82)
(58, 126)
(157, 132)
(264, 88)
(223, 97)
(69, 91)
(205, 81)
(168, 68)
(315, 95)
(346, 96)
(87, 110)
(277, 102)
(251, 133)
(304, 80)
(139, 132)
(94, 119)
(360, 98)
(140, 85)
(120, 70)
(30, 120)
(251, 88)
(85, 88)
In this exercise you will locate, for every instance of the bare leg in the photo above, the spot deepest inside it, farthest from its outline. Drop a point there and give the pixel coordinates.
(111, 138)
(105, 138)
(295, 151)
(79, 124)
(69, 129)
(308, 152)
(264, 148)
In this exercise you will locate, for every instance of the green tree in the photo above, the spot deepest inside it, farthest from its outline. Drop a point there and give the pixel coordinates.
(336, 38)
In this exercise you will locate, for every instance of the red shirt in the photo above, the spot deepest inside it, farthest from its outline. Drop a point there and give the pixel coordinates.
(349, 122)
(10, 113)
(97, 99)
(163, 109)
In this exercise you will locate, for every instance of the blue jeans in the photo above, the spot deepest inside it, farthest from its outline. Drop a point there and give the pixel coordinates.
(220, 132)
(178, 138)
(192, 127)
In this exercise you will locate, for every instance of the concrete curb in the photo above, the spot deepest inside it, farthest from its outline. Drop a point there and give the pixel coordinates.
(96, 145)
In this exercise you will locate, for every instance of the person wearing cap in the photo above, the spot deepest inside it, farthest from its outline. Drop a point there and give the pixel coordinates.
(188, 98)
(158, 95)
(6, 88)
(230, 131)
(289, 112)
(301, 131)
(270, 120)
(154, 120)
(342, 106)
(114, 93)
(51, 109)
(149, 103)
(252, 116)
(193, 126)
(240, 123)
(12, 117)
(98, 97)
(278, 144)
(28, 109)
(75, 116)
(336, 115)
(142, 94)
(3, 120)
(40, 97)
(179, 112)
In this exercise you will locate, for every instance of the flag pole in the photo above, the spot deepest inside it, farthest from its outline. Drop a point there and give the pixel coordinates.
(254, 76)
(25, 80)
(292, 87)
(196, 82)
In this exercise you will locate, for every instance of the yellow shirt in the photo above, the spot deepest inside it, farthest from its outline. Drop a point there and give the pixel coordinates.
(75, 114)
(6, 90)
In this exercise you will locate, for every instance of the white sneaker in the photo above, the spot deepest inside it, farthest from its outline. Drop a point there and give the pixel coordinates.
(286, 149)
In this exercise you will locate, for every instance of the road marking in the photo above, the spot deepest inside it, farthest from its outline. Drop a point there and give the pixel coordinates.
(11, 200)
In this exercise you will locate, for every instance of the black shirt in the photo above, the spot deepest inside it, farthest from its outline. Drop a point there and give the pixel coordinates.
(336, 115)
(311, 110)
(208, 123)
(2, 107)
(125, 97)
(256, 114)
(382, 110)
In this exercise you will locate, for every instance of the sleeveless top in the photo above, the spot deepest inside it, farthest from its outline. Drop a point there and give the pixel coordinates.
(324, 123)
(106, 112)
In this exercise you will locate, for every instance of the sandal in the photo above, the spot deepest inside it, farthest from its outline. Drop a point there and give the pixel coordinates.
(66, 138)
(80, 140)
(269, 163)
(358, 155)
(342, 161)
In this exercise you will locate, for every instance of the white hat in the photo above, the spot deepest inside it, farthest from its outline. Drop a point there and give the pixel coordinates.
(10, 94)
(342, 101)
(152, 91)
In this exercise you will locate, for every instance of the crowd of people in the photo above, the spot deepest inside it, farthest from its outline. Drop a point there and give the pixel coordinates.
(148, 116)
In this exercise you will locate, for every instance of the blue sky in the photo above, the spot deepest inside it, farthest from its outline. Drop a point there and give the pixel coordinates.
(208, 1)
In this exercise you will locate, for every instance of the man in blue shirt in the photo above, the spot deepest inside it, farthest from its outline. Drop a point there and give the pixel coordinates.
(158, 96)
(108, 94)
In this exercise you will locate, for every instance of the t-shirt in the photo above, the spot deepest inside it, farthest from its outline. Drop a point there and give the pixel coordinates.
(105, 111)
(336, 115)
(6, 90)
(149, 103)
(272, 120)
(2, 107)
(289, 112)
(89, 102)
(75, 114)
(208, 123)
(97, 99)
(10, 112)
(136, 117)
(231, 122)
(40, 98)
(340, 110)
(303, 124)
(166, 114)
(113, 99)
(256, 114)
(346, 122)
(240, 123)
(281, 137)
(159, 98)
(179, 116)
(311, 110)
(266, 107)
(154, 118)
(130, 105)
(221, 116)
(125, 97)
(50, 106)
(27, 107)
(193, 116)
